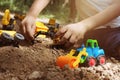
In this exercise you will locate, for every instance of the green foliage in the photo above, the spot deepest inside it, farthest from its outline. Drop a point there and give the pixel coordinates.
(54, 8)
(19, 6)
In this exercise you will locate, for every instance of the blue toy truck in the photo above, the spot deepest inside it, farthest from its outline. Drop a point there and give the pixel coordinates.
(95, 54)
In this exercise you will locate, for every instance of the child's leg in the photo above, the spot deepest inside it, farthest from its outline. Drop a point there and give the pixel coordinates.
(112, 43)
(108, 39)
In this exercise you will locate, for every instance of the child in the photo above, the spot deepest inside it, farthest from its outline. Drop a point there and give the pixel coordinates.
(28, 24)
(100, 14)
(93, 14)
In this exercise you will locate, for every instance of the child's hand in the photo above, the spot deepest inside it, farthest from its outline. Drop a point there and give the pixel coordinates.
(72, 34)
(28, 27)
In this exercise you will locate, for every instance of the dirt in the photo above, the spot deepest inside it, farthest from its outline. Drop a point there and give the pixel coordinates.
(38, 62)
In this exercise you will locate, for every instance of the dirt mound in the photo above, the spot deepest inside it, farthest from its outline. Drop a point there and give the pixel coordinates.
(37, 62)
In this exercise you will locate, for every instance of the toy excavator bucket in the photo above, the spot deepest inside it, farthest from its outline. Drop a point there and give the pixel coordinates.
(41, 27)
(66, 60)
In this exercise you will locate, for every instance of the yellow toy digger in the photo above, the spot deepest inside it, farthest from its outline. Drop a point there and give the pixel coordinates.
(72, 59)
(43, 29)
(7, 22)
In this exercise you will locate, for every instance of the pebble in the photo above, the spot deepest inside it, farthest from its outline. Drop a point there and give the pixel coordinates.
(34, 75)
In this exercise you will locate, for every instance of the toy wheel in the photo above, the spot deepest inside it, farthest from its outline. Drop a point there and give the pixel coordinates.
(19, 37)
(101, 59)
(6, 37)
(91, 61)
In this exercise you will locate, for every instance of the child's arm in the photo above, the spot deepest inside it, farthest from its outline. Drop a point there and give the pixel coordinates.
(28, 24)
(73, 33)
(103, 17)
(37, 7)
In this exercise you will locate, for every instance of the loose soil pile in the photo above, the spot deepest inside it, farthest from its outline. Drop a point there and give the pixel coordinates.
(37, 62)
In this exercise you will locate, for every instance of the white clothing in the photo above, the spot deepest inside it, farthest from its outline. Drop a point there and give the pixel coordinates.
(87, 8)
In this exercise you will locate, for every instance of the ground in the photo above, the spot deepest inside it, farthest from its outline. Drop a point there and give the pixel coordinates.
(38, 62)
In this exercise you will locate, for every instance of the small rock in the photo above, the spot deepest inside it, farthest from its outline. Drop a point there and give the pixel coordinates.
(14, 78)
(34, 75)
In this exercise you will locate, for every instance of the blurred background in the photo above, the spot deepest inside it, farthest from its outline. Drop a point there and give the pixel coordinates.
(58, 9)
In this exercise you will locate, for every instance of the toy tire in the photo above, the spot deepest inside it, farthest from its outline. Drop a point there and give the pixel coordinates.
(6, 37)
(91, 61)
(100, 56)
(98, 59)
(19, 37)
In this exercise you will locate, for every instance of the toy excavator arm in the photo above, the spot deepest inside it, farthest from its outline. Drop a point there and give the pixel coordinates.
(71, 52)
(6, 17)
(81, 53)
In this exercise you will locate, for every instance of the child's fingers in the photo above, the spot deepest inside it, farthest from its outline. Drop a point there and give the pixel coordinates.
(22, 29)
(78, 43)
(73, 39)
(68, 44)
(28, 31)
(63, 40)
(61, 31)
(66, 37)
(33, 29)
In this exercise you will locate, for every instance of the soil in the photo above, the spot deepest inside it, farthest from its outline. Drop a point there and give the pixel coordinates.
(38, 62)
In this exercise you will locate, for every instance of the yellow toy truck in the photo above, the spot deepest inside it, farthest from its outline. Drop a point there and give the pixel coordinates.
(43, 29)
(10, 37)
